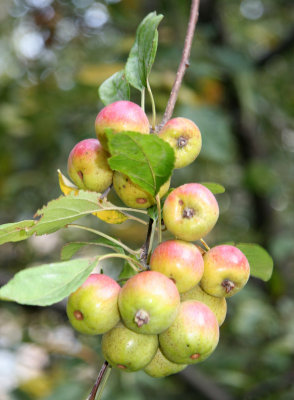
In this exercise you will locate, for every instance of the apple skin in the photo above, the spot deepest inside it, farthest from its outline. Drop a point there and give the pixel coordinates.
(193, 335)
(120, 116)
(190, 211)
(160, 366)
(226, 271)
(217, 304)
(148, 302)
(184, 137)
(132, 195)
(88, 167)
(180, 261)
(92, 308)
(127, 350)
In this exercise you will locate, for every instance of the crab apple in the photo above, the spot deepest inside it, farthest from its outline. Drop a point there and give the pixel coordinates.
(226, 271)
(132, 195)
(180, 261)
(160, 366)
(217, 304)
(184, 137)
(190, 211)
(120, 116)
(127, 350)
(93, 308)
(148, 302)
(193, 335)
(88, 167)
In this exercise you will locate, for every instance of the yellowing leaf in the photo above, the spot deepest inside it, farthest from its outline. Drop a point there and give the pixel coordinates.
(66, 185)
(111, 216)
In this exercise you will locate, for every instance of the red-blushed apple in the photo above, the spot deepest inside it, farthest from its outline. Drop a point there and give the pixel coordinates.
(120, 116)
(148, 302)
(92, 308)
(184, 137)
(88, 167)
(217, 304)
(190, 211)
(132, 195)
(127, 350)
(160, 366)
(226, 271)
(193, 335)
(180, 261)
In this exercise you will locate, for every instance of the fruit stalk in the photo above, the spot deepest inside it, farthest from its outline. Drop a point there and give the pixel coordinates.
(102, 372)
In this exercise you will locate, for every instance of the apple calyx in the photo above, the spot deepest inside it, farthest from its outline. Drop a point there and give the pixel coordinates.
(182, 142)
(141, 318)
(78, 315)
(228, 285)
(188, 212)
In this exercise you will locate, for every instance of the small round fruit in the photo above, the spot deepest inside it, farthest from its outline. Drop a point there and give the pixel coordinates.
(148, 302)
(217, 304)
(190, 211)
(160, 366)
(120, 116)
(132, 195)
(193, 336)
(180, 261)
(127, 350)
(184, 137)
(92, 308)
(88, 167)
(226, 271)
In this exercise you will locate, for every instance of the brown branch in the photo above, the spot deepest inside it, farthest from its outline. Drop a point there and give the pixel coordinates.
(94, 390)
(184, 64)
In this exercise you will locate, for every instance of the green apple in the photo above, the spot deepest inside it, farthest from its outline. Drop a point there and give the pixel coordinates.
(132, 195)
(226, 271)
(193, 335)
(184, 137)
(160, 366)
(88, 167)
(180, 261)
(148, 302)
(190, 211)
(217, 304)
(127, 350)
(120, 116)
(92, 308)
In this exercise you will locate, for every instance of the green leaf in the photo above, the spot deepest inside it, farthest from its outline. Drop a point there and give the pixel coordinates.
(215, 188)
(127, 271)
(142, 54)
(47, 284)
(114, 88)
(15, 232)
(66, 209)
(70, 249)
(261, 263)
(146, 159)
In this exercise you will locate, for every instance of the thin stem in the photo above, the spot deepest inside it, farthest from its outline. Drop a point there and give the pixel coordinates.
(104, 381)
(85, 228)
(159, 217)
(132, 217)
(143, 99)
(205, 244)
(184, 64)
(114, 208)
(105, 193)
(151, 241)
(130, 260)
(145, 247)
(102, 371)
(153, 106)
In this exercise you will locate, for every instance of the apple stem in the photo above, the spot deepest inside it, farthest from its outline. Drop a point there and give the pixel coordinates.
(143, 99)
(130, 260)
(153, 106)
(205, 244)
(151, 241)
(159, 218)
(100, 376)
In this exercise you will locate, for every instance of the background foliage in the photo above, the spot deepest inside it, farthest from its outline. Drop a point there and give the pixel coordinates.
(239, 90)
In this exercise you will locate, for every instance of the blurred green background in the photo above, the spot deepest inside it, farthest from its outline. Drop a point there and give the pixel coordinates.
(239, 89)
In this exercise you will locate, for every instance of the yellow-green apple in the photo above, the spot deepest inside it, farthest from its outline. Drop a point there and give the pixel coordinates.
(160, 366)
(120, 116)
(217, 304)
(180, 261)
(184, 137)
(190, 211)
(93, 308)
(88, 167)
(127, 350)
(148, 302)
(132, 195)
(226, 271)
(193, 335)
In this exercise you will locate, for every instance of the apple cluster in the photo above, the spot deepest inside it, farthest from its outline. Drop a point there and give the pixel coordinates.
(168, 316)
